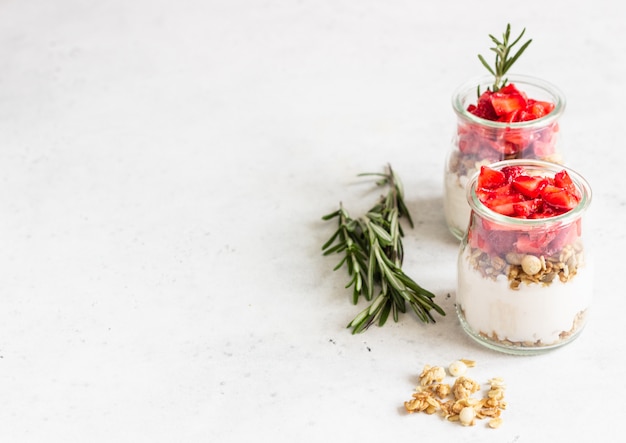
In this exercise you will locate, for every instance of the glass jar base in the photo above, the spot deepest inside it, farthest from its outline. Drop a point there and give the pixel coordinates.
(508, 347)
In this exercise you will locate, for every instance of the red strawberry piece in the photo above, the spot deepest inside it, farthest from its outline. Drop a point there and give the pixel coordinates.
(505, 103)
(504, 208)
(538, 109)
(511, 172)
(527, 208)
(510, 88)
(529, 186)
(484, 194)
(483, 107)
(509, 105)
(550, 188)
(516, 136)
(562, 200)
(511, 117)
(504, 203)
(563, 180)
(545, 211)
(490, 178)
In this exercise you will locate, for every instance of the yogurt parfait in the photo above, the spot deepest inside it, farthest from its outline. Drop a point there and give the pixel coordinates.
(519, 121)
(525, 274)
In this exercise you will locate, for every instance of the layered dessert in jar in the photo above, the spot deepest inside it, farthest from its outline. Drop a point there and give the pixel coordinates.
(525, 274)
(519, 121)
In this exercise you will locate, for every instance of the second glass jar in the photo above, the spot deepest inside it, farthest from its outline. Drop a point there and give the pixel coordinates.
(478, 141)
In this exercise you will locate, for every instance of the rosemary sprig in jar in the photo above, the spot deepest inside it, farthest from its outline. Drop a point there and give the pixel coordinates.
(373, 254)
(503, 61)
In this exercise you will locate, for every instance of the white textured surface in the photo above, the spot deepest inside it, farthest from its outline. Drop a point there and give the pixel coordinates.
(163, 169)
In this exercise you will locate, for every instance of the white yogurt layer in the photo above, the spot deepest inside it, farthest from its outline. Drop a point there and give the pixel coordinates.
(531, 313)
(455, 205)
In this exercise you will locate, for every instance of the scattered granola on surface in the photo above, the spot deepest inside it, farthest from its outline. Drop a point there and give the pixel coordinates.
(455, 402)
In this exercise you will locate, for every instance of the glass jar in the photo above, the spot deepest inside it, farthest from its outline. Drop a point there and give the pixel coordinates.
(479, 141)
(525, 285)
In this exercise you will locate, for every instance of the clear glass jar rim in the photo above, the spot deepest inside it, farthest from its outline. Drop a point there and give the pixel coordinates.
(484, 81)
(538, 165)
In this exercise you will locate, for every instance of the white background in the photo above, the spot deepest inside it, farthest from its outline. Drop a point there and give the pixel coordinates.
(164, 166)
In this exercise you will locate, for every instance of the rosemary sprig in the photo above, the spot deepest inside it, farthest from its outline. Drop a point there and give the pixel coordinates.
(373, 253)
(503, 61)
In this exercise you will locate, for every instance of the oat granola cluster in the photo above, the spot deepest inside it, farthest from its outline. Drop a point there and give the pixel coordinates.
(456, 402)
(529, 268)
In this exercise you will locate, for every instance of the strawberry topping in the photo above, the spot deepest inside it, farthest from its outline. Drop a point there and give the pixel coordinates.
(513, 192)
(510, 105)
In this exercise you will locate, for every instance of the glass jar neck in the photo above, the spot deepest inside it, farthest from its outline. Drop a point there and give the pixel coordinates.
(534, 88)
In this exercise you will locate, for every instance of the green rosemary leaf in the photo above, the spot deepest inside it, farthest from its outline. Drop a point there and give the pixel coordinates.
(337, 248)
(371, 270)
(341, 263)
(359, 318)
(375, 216)
(389, 275)
(512, 60)
(384, 314)
(383, 236)
(376, 303)
(331, 215)
(396, 314)
(486, 65)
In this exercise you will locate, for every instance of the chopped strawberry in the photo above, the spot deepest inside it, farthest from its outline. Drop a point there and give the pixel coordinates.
(564, 181)
(511, 117)
(505, 103)
(504, 202)
(526, 208)
(538, 109)
(561, 200)
(504, 208)
(509, 105)
(513, 192)
(529, 186)
(517, 137)
(490, 178)
(549, 189)
(512, 172)
(484, 108)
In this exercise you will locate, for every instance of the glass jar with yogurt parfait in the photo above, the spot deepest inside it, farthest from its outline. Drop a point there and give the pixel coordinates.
(513, 135)
(525, 271)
